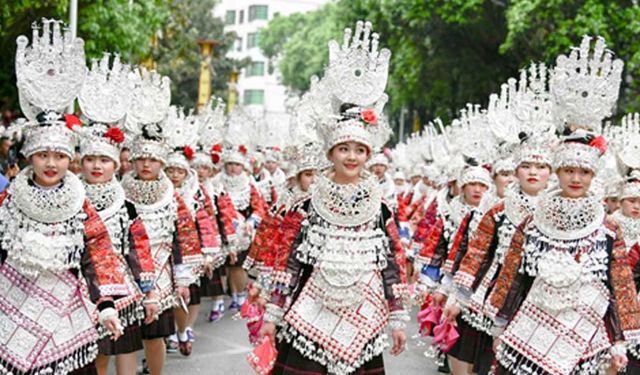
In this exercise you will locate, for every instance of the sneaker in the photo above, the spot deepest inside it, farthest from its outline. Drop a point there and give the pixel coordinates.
(191, 335)
(214, 316)
(172, 346)
(145, 368)
(185, 348)
(234, 305)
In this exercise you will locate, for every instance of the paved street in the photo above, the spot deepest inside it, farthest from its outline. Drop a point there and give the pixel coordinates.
(221, 348)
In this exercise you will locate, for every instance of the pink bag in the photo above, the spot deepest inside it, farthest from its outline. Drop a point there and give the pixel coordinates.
(263, 357)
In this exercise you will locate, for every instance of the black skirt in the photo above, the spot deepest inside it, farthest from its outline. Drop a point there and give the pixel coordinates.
(242, 255)
(129, 342)
(163, 327)
(89, 369)
(291, 362)
(633, 367)
(473, 346)
(209, 287)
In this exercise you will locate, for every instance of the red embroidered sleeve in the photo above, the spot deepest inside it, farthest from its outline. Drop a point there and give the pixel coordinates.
(259, 207)
(227, 213)
(141, 249)
(624, 289)
(291, 226)
(3, 196)
(498, 297)
(478, 248)
(430, 243)
(402, 209)
(102, 262)
(634, 255)
(415, 211)
(460, 234)
(264, 245)
(187, 235)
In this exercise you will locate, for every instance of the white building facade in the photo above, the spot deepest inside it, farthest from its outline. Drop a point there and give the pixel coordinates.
(258, 89)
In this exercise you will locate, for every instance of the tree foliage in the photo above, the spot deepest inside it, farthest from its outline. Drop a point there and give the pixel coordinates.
(447, 53)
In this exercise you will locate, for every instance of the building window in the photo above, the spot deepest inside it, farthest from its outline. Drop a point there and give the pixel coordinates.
(255, 69)
(258, 12)
(252, 40)
(239, 44)
(253, 97)
(241, 17)
(230, 17)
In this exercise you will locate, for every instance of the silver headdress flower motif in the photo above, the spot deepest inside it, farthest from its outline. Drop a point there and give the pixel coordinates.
(305, 149)
(585, 85)
(239, 141)
(51, 70)
(150, 101)
(210, 122)
(181, 132)
(522, 115)
(104, 99)
(585, 88)
(49, 75)
(354, 85)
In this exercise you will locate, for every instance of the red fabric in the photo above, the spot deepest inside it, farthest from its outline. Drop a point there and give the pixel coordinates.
(259, 207)
(289, 230)
(634, 255)
(263, 357)
(98, 245)
(265, 243)
(141, 246)
(398, 249)
(457, 239)
(227, 214)
(431, 242)
(187, 233)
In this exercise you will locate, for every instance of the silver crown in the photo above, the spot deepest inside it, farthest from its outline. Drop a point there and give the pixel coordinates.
(181, 132)
(51, 70)
(239, 141)
(358, 71)
(150, 100)
(357, 74)
(625, 142)
(106, 93)
(210, 123)
(585, 85)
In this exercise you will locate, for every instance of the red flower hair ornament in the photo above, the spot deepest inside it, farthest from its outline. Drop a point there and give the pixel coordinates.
(188, 152)
(215, 158)
(369, 116)
(115, 135)
(72, 121)
(216, 148)
(242, 149)
(600, 143)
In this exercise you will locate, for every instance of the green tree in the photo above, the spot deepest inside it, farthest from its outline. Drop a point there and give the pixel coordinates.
(447, 53)
(177, 54)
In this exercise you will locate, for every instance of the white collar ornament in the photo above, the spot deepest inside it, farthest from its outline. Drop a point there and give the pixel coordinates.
(630, 228)
(47, 205)
(566, 218)
(154, 194)
(517, 204)
(107, 198)
(347, 204)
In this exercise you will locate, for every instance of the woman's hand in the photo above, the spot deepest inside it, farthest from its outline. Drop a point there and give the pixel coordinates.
(618, 363)
(439, 299)
(451, 313)
(268, 329)
(185, 294)
(233, 257)
(112, 324)
(151, 307)
(399, 341)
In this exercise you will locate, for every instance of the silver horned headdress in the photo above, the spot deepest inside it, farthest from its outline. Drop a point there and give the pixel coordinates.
(181, 132)
(210, 122)
(354, 81)
(104, 99)
(585, 85)
(49, 75)
(149, 105)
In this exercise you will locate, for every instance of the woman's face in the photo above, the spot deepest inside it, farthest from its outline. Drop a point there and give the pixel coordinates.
(473, 193)
(125, 163)
(631, 207)
(306, 178)
(348, 159)
(574, 181)
(148, 169)
(612, 204)
(501, 180)
(204, 172)
(176, 175)
(533, 177)
(97, 169)
(233, 169)
(49, 167)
